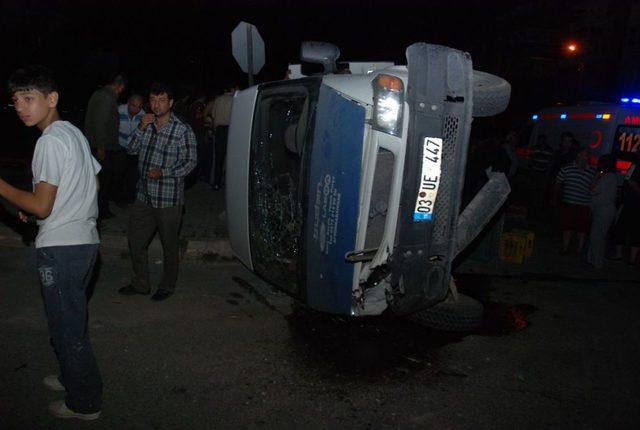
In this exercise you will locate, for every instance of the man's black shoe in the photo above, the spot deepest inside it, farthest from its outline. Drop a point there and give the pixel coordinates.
(161, 295)
(128, 290)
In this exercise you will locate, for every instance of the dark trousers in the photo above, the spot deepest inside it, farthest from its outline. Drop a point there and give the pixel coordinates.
(65, 272)
(112, 177)
(144, 220)
(222, 132)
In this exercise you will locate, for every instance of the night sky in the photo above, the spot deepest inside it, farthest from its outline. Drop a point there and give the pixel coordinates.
(187, 43)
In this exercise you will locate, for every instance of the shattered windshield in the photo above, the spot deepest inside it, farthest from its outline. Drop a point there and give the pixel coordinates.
(280, 130)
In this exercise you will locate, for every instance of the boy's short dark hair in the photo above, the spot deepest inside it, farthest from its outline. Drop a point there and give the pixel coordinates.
(33, 77)
(160, 88)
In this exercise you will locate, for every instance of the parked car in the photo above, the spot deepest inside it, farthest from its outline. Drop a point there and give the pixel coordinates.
(343, 189)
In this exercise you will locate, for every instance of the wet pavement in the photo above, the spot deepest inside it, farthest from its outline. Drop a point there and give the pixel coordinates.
(229, 352)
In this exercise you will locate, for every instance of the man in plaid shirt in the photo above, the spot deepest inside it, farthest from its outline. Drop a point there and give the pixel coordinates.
(166, 149)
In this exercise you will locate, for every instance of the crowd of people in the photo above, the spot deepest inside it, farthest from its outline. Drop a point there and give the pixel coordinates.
(147, 148)
(593, 203)
(136, 154)
(108, 127)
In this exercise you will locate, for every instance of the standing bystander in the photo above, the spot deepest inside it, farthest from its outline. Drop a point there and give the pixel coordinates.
(574, 183)
(64, 199)
(166, 148)
(101, 129)
(130, 115)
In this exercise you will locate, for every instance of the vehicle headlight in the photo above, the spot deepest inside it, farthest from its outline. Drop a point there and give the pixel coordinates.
(388, 102)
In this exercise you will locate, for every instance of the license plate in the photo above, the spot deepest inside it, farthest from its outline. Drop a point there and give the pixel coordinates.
(429, 179)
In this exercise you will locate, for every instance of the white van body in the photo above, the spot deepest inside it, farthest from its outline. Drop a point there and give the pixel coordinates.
(344, 189)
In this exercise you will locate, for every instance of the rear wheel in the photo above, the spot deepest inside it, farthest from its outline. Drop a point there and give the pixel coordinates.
(490, 94)
(464, 314)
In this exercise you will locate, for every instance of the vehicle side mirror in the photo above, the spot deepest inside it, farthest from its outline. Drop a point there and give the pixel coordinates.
(321, 53)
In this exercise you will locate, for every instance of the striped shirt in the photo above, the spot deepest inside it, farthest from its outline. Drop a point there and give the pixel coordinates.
(127, 124)
(576, 184)
(171, 149)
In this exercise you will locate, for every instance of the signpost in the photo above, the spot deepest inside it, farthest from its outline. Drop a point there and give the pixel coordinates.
(248, 48)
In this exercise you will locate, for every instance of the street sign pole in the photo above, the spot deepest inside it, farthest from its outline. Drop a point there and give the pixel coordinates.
(250, 55)
(247, 47)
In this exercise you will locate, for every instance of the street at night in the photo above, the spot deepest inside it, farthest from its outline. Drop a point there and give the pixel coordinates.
(229, 352)
(360, 215)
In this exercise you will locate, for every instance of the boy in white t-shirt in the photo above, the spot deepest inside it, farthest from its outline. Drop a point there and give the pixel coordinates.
(64, 199)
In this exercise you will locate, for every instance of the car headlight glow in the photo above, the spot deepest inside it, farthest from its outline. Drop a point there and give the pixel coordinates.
(388, 102)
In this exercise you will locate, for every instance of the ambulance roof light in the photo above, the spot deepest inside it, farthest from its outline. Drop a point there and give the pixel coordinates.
(563, 116)
(635, 100)
(534, 117)
(624, 99)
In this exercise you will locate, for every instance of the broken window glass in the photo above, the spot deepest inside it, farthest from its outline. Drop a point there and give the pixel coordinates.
(281, 128)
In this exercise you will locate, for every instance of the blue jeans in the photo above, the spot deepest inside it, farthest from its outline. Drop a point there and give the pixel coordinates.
(65, 272)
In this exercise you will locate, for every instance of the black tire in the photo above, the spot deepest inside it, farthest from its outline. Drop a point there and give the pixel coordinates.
(461, 316)
(490, 94)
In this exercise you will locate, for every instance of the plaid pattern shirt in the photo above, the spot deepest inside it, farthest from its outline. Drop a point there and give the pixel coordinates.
(171, 149)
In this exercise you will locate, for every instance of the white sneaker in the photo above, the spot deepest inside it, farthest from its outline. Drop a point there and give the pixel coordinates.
(53, 383)
(59, 409)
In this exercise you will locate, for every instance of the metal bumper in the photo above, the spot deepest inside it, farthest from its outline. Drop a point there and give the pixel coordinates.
(440, 105)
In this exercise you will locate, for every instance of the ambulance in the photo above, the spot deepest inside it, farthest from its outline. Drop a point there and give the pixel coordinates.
(603, 127)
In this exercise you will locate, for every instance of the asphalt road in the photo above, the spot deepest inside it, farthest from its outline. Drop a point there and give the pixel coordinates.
(227, 352)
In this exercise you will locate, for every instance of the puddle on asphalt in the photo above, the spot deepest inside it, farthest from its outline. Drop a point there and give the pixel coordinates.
(391, 346)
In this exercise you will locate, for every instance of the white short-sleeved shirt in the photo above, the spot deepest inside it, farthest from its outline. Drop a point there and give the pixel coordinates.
(62, 158)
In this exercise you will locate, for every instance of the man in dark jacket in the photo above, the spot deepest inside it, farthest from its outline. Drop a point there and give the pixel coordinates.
(101, 129)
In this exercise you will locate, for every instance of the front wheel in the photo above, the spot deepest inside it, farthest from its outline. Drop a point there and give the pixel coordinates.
(490, 94)
(462, 315)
